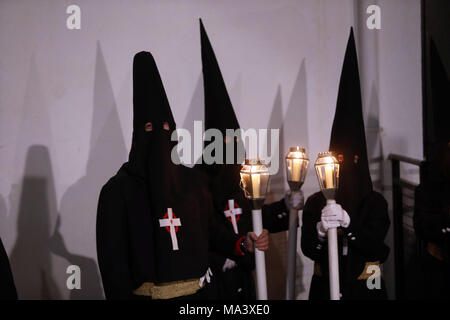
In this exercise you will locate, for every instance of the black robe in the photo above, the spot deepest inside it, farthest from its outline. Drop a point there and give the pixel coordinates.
(126, 252)
(7, 287)
(431, 216)
(365, 242)
(236, 283)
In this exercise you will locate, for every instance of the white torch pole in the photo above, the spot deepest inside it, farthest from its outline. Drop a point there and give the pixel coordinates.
(333, 261)
(260, 261)
(292, 254)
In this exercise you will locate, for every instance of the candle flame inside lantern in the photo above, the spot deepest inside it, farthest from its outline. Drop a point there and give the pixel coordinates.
(256, 182)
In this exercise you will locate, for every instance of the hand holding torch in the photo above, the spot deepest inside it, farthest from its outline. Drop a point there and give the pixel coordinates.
(327, 170)
(254, 182)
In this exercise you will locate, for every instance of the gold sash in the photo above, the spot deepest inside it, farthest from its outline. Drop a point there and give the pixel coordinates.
(363, 276)
(169, 290)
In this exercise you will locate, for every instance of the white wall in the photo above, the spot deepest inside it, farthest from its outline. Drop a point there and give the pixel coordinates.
(65, 104)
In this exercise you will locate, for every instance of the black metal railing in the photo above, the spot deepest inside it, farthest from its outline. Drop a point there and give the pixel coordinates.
(400, 187)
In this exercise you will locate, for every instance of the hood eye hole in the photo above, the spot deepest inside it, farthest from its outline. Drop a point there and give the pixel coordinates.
(355, 158)
(148, 127)
(166, 126)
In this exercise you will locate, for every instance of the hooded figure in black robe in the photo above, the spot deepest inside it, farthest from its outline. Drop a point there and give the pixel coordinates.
(362, 213)
(432, 196)
(7, 286)
(155, 221)
(235, 280)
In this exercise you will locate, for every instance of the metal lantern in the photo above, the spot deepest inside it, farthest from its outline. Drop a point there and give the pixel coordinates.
(254, 180)
(327, 170)
(296, 167)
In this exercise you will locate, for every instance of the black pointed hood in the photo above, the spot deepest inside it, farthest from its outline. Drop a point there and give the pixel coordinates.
(348, 139)
(153, 125)
(219, 114)
(440, 99)
(150, 108)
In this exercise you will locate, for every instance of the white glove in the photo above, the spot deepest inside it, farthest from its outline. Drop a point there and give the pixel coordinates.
(333, 216)
(228, 265)
(294, 199)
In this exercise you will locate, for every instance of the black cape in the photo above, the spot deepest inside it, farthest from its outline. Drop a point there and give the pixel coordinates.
(224, 180)
(432, 204)
(132, 247)
(364, 238)
(7, 287)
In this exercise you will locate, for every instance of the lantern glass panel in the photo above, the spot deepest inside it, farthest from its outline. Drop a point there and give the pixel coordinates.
(255, 179)
(296, 166)
(327, 170)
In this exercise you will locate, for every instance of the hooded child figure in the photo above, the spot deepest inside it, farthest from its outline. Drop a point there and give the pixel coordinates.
(360, 213)
(234, 276)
